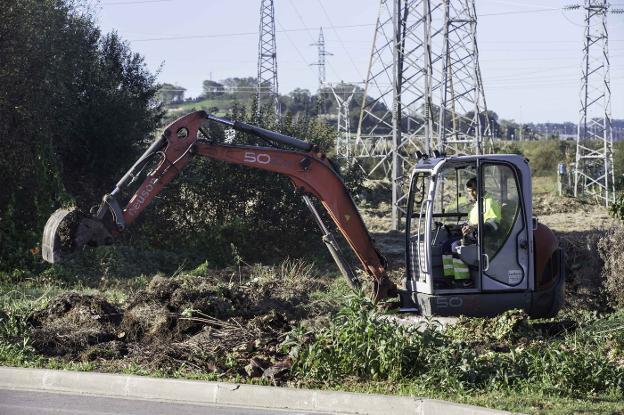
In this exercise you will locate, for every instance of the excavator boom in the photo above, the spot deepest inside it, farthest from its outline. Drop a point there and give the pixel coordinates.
(308, 169)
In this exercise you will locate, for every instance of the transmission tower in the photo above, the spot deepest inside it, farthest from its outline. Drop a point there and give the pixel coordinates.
(267, 88)
(397, 121)
(422, 50)
(593, 170)
(343, 139)
(321, 58)
(463, 120)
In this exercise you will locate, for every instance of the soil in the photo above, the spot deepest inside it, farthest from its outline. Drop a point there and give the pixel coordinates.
(579, 227)
(202, 322)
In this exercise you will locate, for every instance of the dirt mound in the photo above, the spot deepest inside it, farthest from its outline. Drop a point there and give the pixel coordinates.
(72, 322)
(584, 281)
(228, 321)
(162, 311)
(548, 204)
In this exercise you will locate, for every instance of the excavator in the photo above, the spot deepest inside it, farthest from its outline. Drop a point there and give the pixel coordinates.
(519, 265)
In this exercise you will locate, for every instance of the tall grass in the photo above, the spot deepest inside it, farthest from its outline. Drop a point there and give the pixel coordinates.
(508, 353)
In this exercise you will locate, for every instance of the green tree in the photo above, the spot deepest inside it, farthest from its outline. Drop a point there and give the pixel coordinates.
(212, 89)
(74, 106)
(169, 93)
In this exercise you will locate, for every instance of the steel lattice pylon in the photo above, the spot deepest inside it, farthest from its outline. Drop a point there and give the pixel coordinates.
(424, 58)
(267, 87)
(343, 99)
(593, 173)
(322, 53)
(463, 118)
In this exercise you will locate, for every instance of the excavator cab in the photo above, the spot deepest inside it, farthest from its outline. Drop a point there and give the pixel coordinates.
(473, 252)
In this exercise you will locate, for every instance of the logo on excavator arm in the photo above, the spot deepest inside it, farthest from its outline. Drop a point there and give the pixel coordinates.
(260, 158)
(136, 205)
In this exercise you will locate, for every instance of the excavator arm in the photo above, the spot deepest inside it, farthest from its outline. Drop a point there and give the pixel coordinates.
(308, 169)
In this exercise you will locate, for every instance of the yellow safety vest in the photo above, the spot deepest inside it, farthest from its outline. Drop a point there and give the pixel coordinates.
(491, 212)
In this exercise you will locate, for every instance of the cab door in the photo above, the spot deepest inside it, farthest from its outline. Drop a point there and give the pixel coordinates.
(504, 264)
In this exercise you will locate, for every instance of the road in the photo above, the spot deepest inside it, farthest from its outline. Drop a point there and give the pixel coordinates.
(44, 403)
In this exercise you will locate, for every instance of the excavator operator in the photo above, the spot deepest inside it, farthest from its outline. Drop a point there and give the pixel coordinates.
(491, 211)
(453, 265)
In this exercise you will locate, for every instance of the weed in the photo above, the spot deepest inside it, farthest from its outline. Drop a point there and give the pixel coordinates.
(506, 353)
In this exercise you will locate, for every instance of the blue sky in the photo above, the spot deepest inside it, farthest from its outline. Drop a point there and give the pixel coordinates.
(530, 52)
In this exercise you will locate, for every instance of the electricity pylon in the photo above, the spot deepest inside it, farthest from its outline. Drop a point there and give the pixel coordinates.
(463, 118)
(397, 121)
(418, 84)
(593, 167)
(343, 139)
(322, 53)
(267, 87)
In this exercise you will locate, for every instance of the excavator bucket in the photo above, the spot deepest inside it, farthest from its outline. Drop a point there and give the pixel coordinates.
(69, 230)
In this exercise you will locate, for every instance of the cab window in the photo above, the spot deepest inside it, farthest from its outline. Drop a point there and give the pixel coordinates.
(500, 195)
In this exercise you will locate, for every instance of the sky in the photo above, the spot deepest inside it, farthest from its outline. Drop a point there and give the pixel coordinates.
(530, 53)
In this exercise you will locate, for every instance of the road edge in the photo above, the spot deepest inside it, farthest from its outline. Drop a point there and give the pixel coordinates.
(226, 394)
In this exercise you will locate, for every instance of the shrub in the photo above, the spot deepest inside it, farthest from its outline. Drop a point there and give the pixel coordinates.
(359, 343)
(213, 206)
(75, 105)
(617, 208)
(545, 155)
(611, 251)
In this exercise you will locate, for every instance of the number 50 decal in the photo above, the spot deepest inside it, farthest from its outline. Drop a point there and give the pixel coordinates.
(260, 158)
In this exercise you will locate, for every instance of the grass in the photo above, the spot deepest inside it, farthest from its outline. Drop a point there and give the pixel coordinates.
(223, 106)
(558, 374)
(538, 366)
(544, 184)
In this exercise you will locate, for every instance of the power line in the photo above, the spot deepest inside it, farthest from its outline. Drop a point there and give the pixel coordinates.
(216, 35)
(519, 12)
(357, 68)
(123, 3)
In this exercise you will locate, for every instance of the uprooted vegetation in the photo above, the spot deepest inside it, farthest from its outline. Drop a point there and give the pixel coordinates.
(227, 322)
(611, 248)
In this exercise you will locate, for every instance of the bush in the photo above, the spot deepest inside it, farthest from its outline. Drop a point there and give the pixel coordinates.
(618, 164)
(545, 155)
(75, 105)
(617, 208)
(611, 251)
(359, 344)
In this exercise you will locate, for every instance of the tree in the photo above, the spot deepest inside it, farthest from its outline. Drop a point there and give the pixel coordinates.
(75, 106)
(212, 89)
(240, 88)
(170, 94)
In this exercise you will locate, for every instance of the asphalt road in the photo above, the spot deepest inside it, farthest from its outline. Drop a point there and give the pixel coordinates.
(44, 403)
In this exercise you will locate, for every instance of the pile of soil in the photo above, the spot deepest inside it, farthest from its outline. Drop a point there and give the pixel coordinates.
(187, 322)
(73, 322)
(549, 203)
(583, 267)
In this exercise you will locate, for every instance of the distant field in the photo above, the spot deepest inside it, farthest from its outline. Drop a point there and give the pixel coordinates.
(223, 106)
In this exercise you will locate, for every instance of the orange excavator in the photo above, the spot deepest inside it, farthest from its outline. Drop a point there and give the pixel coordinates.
(519, 266)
